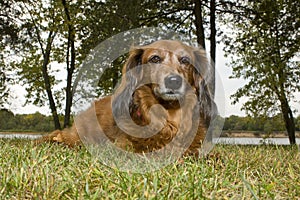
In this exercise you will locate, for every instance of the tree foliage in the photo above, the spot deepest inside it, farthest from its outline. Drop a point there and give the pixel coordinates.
(265, 42)
(41, 28)
(8, 27)
(8, 37)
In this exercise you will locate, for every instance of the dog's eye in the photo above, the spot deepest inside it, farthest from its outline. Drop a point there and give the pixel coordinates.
(155, 59)
(185, 60)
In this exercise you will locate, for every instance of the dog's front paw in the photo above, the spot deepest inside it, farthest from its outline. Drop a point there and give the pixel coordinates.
(158, 117)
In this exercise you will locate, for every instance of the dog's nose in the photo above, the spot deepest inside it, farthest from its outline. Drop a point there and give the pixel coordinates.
(173, 82)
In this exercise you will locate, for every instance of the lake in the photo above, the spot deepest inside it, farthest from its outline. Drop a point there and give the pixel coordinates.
(20, 136)
(221, 140)
(253, 141)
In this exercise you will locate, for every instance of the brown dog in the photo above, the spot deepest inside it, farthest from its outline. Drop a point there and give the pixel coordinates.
(170, 97)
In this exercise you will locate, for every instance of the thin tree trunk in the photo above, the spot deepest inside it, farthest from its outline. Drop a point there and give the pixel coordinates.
(199, 23)
(285, 108)
(70, 65)
(47, 82)
(213, 32)
(288, 120)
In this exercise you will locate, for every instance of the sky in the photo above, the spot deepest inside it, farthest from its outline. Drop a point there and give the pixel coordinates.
(225, 87)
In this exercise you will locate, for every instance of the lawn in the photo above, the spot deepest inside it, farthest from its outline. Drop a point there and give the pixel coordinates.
(51, 171)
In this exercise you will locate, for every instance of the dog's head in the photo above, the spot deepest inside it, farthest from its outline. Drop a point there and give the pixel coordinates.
(176, 65)
(173, 68)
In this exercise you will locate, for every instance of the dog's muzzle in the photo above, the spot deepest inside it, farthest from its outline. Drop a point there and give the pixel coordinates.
(173, 82)
(172, 88)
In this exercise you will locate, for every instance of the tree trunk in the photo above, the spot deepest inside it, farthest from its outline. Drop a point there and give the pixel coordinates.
(70, 65)
(285, 107)
(288, 120)
(213, 32)
(4, 90)
(47, 82)
(199, 23)
(69, 91)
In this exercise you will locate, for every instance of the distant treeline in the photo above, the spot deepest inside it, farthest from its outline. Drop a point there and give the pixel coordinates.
(261, 124)
(40, 123)
(25, 122)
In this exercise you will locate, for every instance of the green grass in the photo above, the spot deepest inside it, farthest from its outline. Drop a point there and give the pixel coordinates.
(51, 171)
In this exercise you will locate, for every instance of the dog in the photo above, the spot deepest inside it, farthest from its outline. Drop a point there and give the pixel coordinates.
(170, 96)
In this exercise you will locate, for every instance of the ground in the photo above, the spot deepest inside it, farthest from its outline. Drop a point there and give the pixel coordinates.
(51, 171)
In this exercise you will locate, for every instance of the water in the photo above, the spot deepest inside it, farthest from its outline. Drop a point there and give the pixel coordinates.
(20, 136)
(221, 140)
(253, 141)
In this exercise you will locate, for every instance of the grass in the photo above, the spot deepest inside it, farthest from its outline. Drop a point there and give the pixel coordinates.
(51, 171)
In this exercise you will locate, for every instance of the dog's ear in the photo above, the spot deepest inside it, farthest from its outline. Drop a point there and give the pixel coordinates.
(134, 59)
(131, 76)
(202, 67)
(132, 69)
(202, 79)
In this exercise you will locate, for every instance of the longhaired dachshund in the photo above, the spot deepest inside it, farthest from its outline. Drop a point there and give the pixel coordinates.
(169, 96)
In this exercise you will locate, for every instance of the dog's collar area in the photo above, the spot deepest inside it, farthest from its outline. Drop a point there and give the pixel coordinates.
(169, 104)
